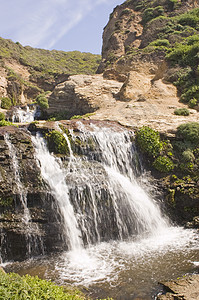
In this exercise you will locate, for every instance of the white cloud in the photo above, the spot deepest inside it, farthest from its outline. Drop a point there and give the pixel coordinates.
(42, 23)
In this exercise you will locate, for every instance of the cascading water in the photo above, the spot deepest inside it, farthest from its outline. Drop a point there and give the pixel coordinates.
(24, 115)
(87, 199)
(54, 175)
(128, 245)
(34, 242)
(20, 189)
(135, 211)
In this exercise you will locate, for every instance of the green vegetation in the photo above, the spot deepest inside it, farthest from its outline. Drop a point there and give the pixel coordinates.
(188, 156)
(57, 142)
(182, 112)
(160, 42)
(2, 116)
(6, 102)
(42, 101)
(15, 287)
(45, 63)
(5, 123)
(192, 103)
(152, 13)
(6, 201)
(82, 116)
(189, 132)
(64, 115)
(148, 141)
(180, 155)
(159, 152)
(163, 164)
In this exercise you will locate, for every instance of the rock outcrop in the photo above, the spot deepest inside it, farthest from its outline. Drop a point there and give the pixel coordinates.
(21, 184)
(82, 94)
(129, 29)
(186, 288)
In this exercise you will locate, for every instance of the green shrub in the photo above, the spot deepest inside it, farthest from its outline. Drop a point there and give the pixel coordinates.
(193, 102)
(189, 132)
(42, 101)
(5, 123)
(152, 13)
(160, 42)
(188, 156)
(13, 287)
(149, 141)
(189, 19)
(57, 142)
(182, 112)
(163, 164)
(185, 54)
(6, 102)
(2, 116)
(191, 92)
(192, 39)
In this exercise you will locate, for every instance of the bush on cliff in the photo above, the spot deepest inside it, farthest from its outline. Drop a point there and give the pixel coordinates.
(189, 132)
(57, 142)
(42, 101)
(5, 123)
(163, 164)
(6, 102)
(148, 141)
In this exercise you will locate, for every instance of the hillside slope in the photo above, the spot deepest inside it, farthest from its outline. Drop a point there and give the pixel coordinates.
(26, 71)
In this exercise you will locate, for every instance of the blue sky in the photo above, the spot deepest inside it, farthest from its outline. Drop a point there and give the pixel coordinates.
(56, 24)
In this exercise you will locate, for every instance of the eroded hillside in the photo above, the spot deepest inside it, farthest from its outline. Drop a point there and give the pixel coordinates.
(25, 71)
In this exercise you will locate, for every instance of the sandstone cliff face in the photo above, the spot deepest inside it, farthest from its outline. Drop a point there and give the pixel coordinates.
(127, 31)
(83, 94)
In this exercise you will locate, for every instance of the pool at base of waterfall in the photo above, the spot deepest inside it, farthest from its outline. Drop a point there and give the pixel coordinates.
(120, 269)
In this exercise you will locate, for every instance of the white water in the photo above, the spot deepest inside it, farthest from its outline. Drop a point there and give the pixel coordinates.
(54, 175)
(92, 194)
(34, 242)
(23, 115)
(135, 211)
(20, 188)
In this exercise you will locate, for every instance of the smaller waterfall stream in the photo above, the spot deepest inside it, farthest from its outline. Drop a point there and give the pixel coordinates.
(20, 189)
(24, 115)
(33, 238)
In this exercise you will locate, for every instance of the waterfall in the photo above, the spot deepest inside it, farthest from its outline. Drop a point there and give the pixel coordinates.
(133, 209)
(33, 238)
(97, 192)
(20, 189)
(54, 174)
(23, 115)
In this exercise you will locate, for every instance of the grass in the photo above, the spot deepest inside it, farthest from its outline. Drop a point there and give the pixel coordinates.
(44, 62)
